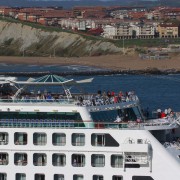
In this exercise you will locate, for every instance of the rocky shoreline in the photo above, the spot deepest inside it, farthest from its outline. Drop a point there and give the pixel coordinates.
(153, 71)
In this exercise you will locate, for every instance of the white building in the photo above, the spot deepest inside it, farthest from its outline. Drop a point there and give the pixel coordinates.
(119, 31)
(143, 31)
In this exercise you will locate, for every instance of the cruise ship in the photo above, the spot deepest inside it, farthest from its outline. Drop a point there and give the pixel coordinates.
(79, 136)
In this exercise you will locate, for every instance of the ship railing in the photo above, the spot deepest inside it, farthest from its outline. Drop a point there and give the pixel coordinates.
(3, 142)
(20, 163)
(58, 163)
(40, 143)
(20, 142)
(98, 164)
(98, 101)
(59, 143)
(39, 163)
(134, 159)
(3, 162)
(28, 123)
(87, 100)
(60, 101)
(75, 164)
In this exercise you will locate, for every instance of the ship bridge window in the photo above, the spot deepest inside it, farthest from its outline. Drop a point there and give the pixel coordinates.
(78, 160)
(20, 159)
(39, 139)
(3, 138)
(103, 140)
(59, 159)
(20, 176)
(78, 177)
(4, 158)
(117, 161)
(39, 159)
(98, 177)
(117, 177)
(127, 114)
(78, 139)
(3, 176)
(97, 160)
(39, 177)
(20, 138)
(59, 139)
(58, 177)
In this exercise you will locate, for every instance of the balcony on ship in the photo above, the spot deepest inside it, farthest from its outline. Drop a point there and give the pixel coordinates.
(3, 176)
(78, 139)
(20, 159)
(20, 176)
(3, 138)
(98, 177)
(59, 139)
(39, 177)
(4, 159)
(20, 138)
(78, 177)
(117, 161)
(98, 160)
(59, 160)
(58, 177)
(39, 139)
(39, 159)
(78, 160)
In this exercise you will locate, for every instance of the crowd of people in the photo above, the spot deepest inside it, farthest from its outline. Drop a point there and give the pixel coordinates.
(166, 113)
(108, 97)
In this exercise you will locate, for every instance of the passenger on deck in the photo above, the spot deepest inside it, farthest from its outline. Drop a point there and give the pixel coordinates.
(163, 115)
(158, 113)
(118, 119)
(109, 94)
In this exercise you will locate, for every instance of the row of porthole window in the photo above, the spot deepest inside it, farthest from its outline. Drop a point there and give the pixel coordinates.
(59, 159)
(58, 139)
(22, 176)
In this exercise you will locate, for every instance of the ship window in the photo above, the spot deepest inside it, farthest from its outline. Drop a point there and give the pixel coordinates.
(39, 139)
(78, 139)
(98, 139)
(39, 177)
(78, 160)
(117, 177)
(98, 177)
(78, 177)
(20, 159)
(117, 161)
(128, 114)
(4, 159)
(139, 141)
(3, 176)
(39, 159)
(103, 140)
(20, 138)
(20, 176)
(58, 177)
(59, 159)
(3, 138)
(142, 178)
(98, 160)
(59, 139)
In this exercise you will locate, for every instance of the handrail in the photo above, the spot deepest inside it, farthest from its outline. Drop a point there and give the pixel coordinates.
(49, 123)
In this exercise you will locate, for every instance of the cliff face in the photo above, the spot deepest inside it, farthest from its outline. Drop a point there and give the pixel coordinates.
(16, 39)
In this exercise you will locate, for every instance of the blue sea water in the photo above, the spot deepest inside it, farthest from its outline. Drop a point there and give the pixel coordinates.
(162, 91)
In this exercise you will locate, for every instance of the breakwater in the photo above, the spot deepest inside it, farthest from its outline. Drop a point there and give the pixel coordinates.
(92, 73)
